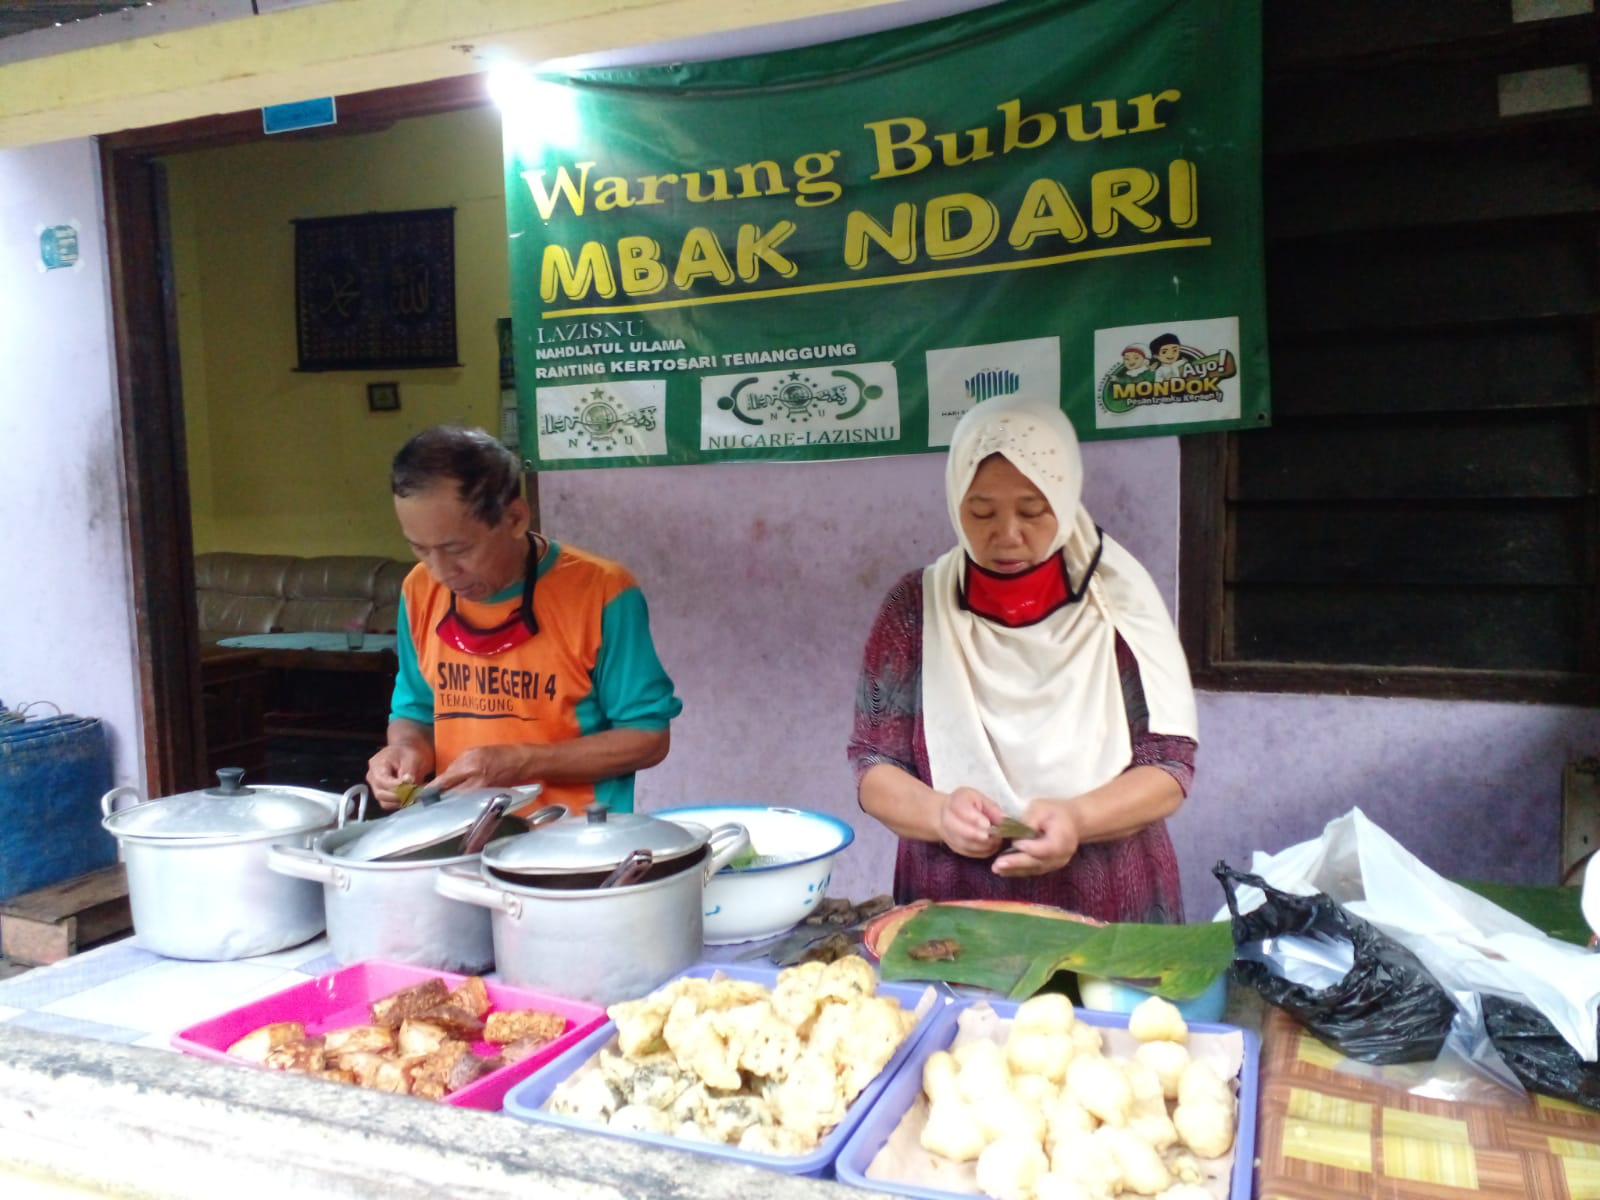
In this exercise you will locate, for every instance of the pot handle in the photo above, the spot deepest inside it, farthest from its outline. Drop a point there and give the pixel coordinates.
(727, 842)
(303, 864)
(466, 885)
(543, 816)
(359, 793)
(108, 802)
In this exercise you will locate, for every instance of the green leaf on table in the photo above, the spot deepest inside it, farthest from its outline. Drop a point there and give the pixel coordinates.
(1549, 909)
(1017, 953)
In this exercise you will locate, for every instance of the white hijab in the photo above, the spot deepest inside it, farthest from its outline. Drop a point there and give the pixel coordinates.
(1036, 712)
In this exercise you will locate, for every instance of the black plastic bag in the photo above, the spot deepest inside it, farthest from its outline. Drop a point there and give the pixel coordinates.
(1540, 1058)
(1387, 1009)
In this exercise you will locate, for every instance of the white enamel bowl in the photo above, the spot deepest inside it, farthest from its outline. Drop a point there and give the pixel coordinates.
(763, 901)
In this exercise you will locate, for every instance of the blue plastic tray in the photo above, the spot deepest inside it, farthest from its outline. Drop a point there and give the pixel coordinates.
(901, 1092)
(528, 1098)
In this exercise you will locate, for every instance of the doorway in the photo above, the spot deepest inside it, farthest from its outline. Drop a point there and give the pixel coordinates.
(155, 453)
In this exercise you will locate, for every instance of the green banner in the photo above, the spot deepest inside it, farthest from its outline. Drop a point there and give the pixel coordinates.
(836, 251)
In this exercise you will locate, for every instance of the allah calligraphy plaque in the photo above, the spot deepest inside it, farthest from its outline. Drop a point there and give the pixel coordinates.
(376, 290)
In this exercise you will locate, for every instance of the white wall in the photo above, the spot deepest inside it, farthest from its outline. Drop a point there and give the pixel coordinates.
(66, 609)
(763, 581)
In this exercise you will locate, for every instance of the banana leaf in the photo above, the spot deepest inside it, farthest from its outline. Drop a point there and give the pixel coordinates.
(1551, 910)
(1016, 953)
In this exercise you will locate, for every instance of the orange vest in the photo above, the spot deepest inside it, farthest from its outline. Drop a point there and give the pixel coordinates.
(530, 693)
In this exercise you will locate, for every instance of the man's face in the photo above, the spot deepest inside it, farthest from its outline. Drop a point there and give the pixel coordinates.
(1170, 352)
(472, 559)
(1133, 361)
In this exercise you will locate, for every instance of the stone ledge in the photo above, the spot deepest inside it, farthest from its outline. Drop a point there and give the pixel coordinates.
(133, 1121)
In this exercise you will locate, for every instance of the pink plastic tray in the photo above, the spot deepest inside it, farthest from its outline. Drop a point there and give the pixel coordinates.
(344, 997)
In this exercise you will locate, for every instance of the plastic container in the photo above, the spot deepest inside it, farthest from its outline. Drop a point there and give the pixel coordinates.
(344, 997)
(1113, 995)
(52, 773)
(528, 1098)
(902, 1090)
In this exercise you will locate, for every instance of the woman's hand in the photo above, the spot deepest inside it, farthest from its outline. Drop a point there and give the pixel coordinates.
(1060, 833)
(964, 820)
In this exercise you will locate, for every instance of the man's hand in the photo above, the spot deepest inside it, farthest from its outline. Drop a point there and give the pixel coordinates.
(405, 762)
(490, 766)
(964, 820)
(1059, 836)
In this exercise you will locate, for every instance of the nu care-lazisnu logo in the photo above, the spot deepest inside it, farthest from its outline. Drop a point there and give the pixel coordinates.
(800, 406)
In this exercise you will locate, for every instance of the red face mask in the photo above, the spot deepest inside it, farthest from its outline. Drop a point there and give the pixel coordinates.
(456, 631)
(1027, 597)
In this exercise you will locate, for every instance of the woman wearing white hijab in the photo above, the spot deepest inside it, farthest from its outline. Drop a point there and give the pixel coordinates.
(1032, 672)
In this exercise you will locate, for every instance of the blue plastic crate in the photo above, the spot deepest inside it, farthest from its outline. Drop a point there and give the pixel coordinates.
(902, 1090)
(528, 1098)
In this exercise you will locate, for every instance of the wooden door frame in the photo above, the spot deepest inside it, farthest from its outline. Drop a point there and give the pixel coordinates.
(150, 398)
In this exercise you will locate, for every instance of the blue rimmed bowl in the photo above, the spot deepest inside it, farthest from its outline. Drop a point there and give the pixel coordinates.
(793, 864)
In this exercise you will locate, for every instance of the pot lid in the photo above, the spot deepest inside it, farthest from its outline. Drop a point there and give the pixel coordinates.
(598, 842)
(226, 811)
(428, 822)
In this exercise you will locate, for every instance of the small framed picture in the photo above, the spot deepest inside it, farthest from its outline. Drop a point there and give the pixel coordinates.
(383, 397)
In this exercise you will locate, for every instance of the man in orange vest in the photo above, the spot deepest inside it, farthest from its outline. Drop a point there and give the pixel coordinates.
(521, 660)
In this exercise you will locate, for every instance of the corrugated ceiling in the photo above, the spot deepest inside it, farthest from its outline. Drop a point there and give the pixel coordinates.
(23, 16)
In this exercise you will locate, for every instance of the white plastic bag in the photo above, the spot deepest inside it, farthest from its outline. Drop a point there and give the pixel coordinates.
(1467, 942)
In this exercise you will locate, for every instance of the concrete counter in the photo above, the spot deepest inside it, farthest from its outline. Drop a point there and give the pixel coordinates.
(85, 1117)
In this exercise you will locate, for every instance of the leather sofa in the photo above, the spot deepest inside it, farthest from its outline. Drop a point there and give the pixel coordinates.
(241, 593)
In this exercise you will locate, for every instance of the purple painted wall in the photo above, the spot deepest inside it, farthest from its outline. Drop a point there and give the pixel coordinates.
(763, 579)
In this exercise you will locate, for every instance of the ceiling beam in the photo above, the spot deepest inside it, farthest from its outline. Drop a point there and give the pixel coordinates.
(345, 46)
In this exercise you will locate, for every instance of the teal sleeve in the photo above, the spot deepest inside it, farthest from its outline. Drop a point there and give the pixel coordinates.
(632, 688)
(413, 698)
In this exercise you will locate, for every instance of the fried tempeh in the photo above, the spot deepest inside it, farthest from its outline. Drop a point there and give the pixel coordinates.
(516, 1024)
(409, 1002)
(471, 994)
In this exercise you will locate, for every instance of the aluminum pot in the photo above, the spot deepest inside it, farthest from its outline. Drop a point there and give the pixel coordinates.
(598, 944)
(198, 881)
(389, 908)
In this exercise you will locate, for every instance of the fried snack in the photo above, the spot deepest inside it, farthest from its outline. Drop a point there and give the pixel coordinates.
(458, 1022)
(375, 1038)
(297, 1056)
(516, 1024)
(430, 1077)
(420, 1037)
(409, 1002)
(257, 1044)
(419, 1042)
(473, 995)
(515, 1052)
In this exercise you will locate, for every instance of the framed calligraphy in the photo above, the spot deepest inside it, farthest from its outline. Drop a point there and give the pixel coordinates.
(376, 290)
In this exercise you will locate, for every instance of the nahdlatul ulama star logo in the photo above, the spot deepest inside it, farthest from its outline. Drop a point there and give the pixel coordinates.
(602, 420)
(1183, 372)
(801, 406)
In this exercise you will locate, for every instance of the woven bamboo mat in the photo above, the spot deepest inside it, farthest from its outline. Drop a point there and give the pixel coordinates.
(1328, 1135)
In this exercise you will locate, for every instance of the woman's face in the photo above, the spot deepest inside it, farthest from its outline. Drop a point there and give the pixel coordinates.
(1008, 523)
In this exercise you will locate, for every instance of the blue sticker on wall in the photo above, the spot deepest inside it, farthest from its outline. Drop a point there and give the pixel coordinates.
(58, 247)
(300, 114)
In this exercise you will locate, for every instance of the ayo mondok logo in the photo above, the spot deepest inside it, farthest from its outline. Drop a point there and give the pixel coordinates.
(1165, 372)
(600, 422)
(798, 396)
